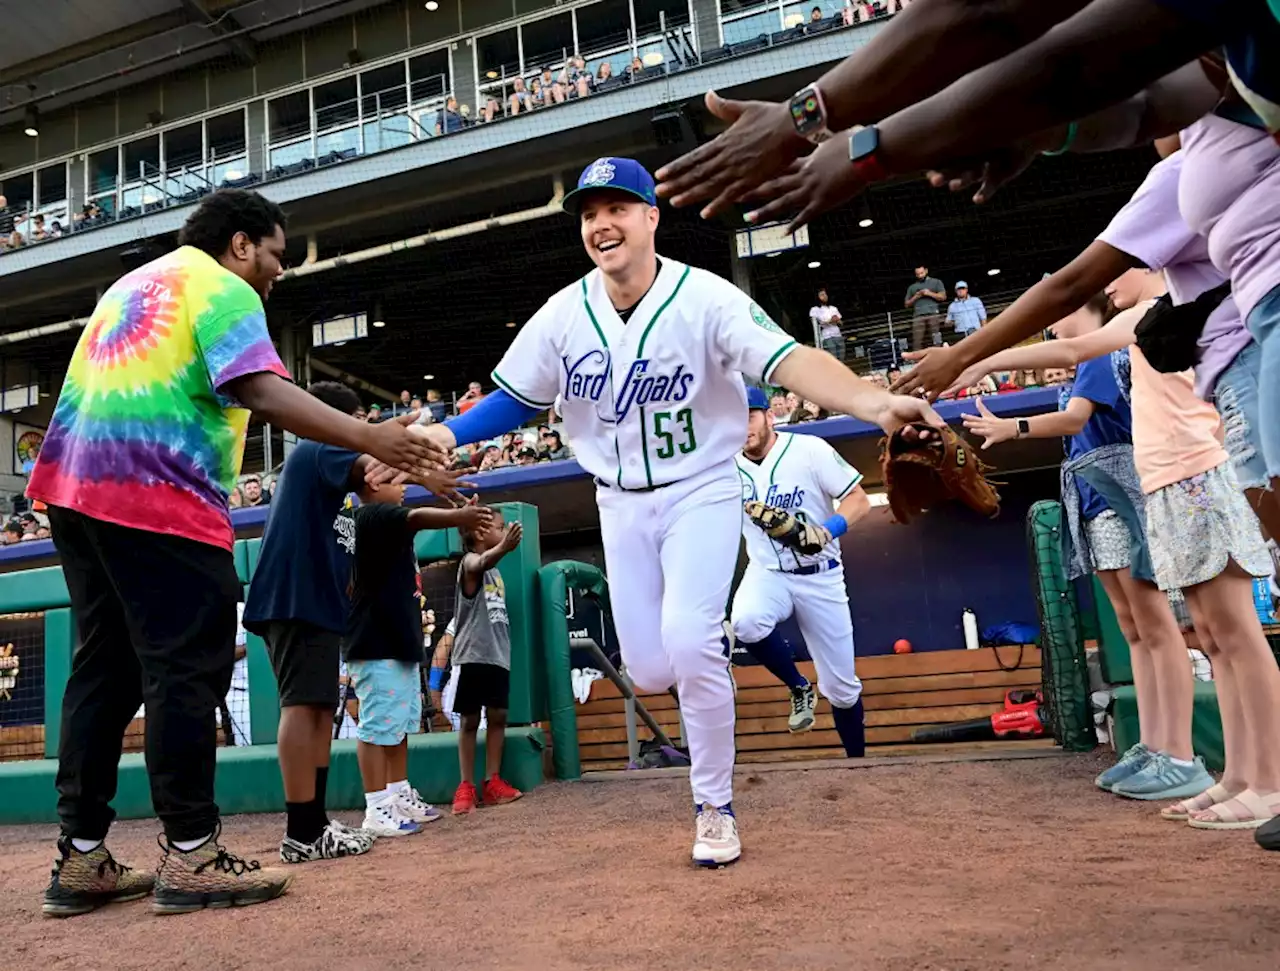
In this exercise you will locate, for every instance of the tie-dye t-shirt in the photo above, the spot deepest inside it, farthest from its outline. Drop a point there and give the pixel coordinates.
(142, 435)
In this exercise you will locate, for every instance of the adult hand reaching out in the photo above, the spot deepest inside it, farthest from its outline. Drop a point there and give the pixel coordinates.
(760, 142)
(808, 187)
(937, 370)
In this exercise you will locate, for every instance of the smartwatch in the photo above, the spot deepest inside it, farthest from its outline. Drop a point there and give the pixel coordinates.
(1024, 427)
(864, 147)
(809, 115)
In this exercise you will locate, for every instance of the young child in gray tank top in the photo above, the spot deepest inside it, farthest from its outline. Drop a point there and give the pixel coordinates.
(482, 656)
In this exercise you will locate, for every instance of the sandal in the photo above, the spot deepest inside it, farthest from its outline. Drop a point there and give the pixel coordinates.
(1248, 810)
(1183, 809)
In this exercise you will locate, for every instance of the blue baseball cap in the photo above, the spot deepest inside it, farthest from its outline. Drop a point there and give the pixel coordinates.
(620, 174)
(961, 285)
(757, 400)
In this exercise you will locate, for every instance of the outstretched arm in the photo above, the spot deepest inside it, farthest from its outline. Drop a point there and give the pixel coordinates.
(1057, 424)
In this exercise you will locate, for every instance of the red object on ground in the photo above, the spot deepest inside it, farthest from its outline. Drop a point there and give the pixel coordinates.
(902, 646)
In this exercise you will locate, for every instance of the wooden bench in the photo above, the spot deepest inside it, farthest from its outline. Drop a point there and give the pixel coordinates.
(901, 692)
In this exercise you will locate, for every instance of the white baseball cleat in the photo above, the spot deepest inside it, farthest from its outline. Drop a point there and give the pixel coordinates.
(715, 841)
(804, 706)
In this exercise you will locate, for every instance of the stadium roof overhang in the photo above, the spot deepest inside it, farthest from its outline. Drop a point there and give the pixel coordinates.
(58, 52)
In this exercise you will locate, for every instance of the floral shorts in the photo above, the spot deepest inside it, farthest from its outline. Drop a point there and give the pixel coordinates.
(1108, 541)
(1196, 526)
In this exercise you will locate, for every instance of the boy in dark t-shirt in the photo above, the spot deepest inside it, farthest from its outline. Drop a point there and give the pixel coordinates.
(383, 649)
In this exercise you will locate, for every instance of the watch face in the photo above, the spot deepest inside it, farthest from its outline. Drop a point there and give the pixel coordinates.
(863, 142)
(805, 112)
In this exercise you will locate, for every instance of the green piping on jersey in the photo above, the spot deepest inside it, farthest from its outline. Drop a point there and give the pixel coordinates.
(644, 445)
(857, 481)
(775, 360)
(773, 471)
(523, 399)
(604, 341)
(653, 320)
(592, 315)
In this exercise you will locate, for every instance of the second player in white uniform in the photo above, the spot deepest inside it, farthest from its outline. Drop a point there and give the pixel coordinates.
(646, 357)
(809, 479)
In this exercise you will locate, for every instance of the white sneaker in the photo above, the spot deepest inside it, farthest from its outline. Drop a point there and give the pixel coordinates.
(715, 841)
(804, 706)
(335, 842)
(385, 819)
(412, 806)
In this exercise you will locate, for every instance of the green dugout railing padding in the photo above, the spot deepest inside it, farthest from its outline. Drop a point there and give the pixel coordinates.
(555, 580)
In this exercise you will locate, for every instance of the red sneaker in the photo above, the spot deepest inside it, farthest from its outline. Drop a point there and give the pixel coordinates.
(464, 800)
(497, 791)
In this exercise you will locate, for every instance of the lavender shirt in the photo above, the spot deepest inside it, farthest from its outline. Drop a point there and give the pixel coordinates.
(1151, 229)
(1231, 196)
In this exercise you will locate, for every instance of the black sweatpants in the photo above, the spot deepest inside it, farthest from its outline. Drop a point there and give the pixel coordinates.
(156, 617)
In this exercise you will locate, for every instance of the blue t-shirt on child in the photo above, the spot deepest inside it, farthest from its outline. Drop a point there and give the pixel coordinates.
(304, 566)
(1104, 382)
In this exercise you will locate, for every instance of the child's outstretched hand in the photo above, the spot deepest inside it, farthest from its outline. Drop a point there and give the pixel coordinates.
(473, 517)
(511, 537)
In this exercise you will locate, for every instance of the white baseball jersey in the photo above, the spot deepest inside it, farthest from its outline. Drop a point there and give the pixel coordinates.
(803, 475)
(657, 399)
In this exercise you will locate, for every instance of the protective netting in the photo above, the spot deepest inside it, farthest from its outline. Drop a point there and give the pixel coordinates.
(21, 686)
(1065, 678)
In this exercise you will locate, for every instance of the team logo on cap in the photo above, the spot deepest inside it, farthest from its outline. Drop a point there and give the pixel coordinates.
(602, 172)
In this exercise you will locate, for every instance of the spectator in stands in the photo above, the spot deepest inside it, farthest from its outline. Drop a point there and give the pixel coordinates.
(6, 219)
(538, 97)
(892, 374)
(404, 405)
(826, 321)
(15, 241)
(966, 313)
(12, 532)
(635, 67)
(251, 487)
(436, 405)
(793, 402)
(475, 393)
(43, 533)
(270, 487)
(924, 298)
(779, 409)
(815, 16)
(526, 455)
(449, 120)
(375, 414)
(603, 73)
(577, 80)
(554, 445)
(234, 499)
(154, 588)
(492, 109)
(55, 230)
(29, 524)
(38, 232)
(490, 458)
(520, 99)
(553, 91)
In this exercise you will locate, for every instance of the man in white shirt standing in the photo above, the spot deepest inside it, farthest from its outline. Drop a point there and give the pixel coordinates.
(826, 326)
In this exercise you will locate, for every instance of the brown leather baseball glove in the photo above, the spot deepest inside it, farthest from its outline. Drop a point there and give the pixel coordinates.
(920, 473)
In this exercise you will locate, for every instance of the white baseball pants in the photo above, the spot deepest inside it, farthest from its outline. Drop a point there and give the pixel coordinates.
(765, 598)
(670, 555)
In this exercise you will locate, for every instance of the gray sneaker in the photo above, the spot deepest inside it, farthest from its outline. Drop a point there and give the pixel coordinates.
(333, 844)
(1132, 761)
(1161, 778)
(804, 704)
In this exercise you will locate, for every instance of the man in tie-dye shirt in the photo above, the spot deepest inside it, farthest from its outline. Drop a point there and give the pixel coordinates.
(143, 448)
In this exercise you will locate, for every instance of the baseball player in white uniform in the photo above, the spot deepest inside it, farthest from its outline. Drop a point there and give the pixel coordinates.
(646, 356)
(809, 479)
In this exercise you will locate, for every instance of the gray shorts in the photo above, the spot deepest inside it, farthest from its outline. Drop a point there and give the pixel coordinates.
(1108, 541)
(1196, 526)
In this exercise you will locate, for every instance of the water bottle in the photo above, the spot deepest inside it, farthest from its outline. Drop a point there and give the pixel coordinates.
(970, 623)
(1262, 601)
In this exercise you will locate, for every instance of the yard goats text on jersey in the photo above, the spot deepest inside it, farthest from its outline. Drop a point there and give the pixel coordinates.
(589, 376)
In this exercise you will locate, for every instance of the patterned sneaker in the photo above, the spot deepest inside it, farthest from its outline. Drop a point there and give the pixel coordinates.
(715, 841)
(210, 876)
(1132, 761)
(332, 844)
(385, 819)
(804, 704)
(413, 806)
(1161, 778)
(498, 791)
(85, 881)
(464, 799)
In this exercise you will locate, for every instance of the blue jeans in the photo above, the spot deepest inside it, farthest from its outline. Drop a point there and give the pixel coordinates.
(834, 346)
(1236, 396)
(1264, 324)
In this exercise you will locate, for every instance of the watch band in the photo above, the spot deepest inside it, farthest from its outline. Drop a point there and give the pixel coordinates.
(809, 115)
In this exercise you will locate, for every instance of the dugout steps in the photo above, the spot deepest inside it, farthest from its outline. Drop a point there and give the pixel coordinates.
(901, 693)
(248, 777)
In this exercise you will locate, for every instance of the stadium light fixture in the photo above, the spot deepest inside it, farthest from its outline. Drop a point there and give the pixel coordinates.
(864, 223)
(379, 323)
(815, 264)
(511, 323)
(432, 5)
(31, 121)
(491, 75)
(428, 377)
(994, 271)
